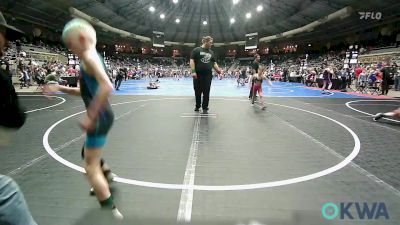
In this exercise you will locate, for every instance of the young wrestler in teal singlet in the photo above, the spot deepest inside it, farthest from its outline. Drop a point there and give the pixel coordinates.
(95, 88)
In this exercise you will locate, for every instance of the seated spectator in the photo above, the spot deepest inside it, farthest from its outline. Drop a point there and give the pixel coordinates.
(71, 71)
(362, 78)
(51, 78)
(372, 78)
(24, 78)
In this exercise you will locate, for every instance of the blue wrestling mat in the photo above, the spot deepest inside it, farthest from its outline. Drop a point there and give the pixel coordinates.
(223, 88)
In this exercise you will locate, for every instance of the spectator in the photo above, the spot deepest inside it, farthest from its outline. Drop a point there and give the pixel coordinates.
(387, 73)
(13, 208)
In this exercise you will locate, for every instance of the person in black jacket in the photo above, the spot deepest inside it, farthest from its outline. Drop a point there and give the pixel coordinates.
(13, 207)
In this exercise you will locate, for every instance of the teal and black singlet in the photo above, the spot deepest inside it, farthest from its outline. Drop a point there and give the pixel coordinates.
(89, 86)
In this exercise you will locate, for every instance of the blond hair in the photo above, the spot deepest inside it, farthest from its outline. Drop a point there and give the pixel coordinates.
(77, 24)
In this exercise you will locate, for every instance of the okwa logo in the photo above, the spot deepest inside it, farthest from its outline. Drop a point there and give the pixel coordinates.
(355, 211)
(370, 15)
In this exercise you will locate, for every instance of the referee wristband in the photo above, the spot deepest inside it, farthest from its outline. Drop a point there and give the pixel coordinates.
(193, 70)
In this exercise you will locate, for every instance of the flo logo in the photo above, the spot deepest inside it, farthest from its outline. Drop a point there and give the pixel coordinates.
(370, 15)
(355, 211)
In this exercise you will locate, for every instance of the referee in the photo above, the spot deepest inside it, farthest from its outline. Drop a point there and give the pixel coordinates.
(202, 60)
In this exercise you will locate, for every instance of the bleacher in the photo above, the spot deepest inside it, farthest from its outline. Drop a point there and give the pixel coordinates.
(34, 48)
(380, 55)
(383, 50)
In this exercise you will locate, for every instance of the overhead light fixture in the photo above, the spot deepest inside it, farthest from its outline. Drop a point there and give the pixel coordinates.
(152, 9)
(232, 20)
(177, 20)
(205, 22)
(162, 16)
(248, 15)
(175, 1)
(259, 8)
(235, 2)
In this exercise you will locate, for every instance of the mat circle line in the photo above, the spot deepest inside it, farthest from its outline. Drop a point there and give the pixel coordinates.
(346, 161)
(369, 114)
(47, 107)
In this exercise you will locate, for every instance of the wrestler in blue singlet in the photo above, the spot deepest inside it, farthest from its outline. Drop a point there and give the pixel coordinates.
(89, 86)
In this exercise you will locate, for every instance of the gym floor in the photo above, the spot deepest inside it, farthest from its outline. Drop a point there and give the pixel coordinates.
(235, 165)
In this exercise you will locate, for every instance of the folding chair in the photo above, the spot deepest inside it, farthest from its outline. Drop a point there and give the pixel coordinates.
(374, 87)
(361, 86)
(39, 82)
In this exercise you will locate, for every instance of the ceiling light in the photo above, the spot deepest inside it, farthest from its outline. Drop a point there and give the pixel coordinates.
(177, 20)
(162, 16)
(152, 9)
(205, 22)
(248, 15)
(232, 20)
(175, 1)
(235, 2)
(259, 8)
